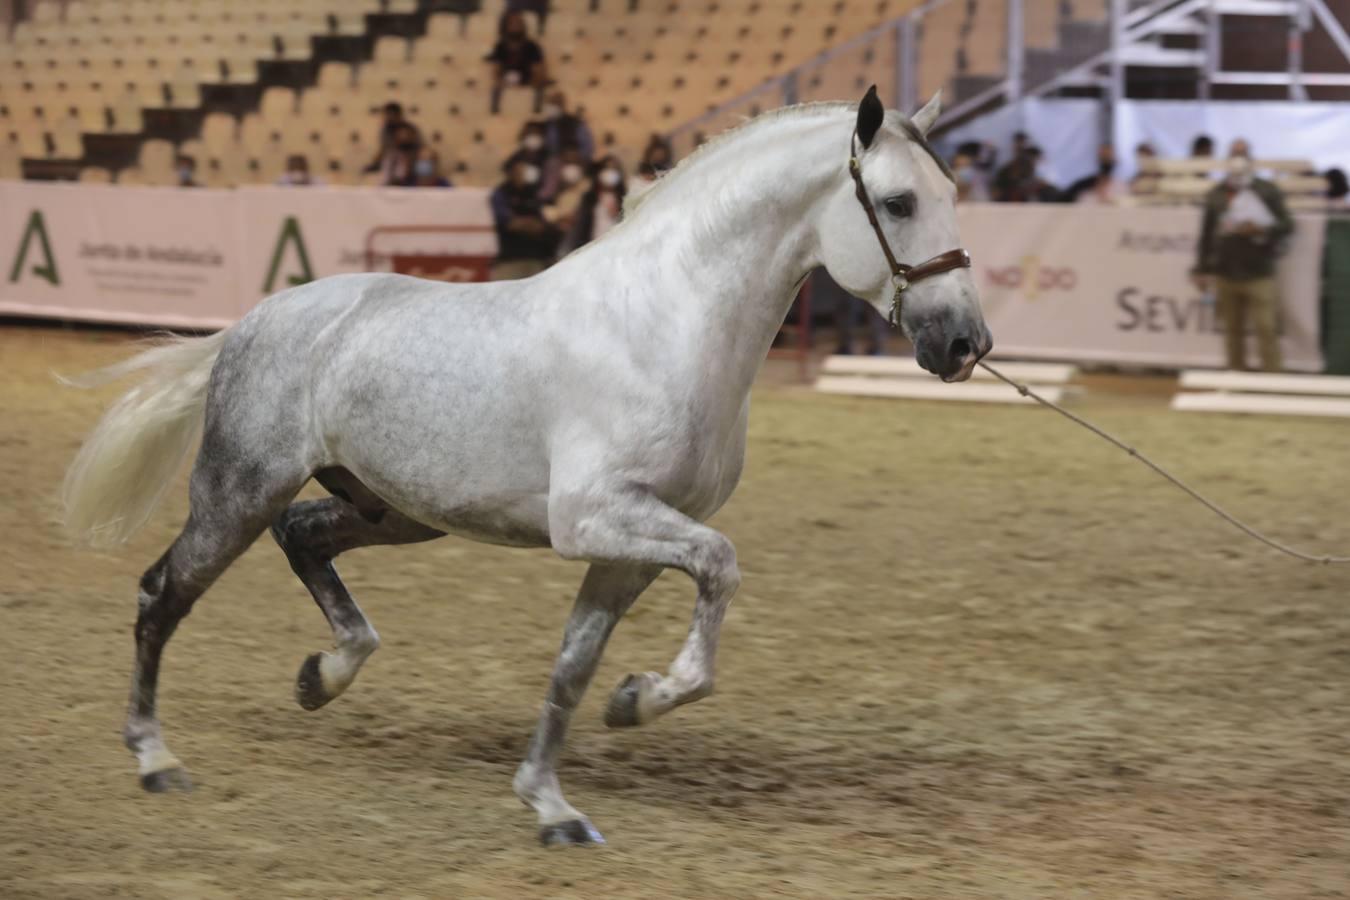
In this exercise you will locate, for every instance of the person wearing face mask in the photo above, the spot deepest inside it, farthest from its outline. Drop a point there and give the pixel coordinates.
(397, 166)
(185, 170)
(1243, 233)
(526, 240)
(426, 171)
(297, 173)
(516, 61)
(564, 129)
(563, 185)
(602, 205)
(970, 186)
(1101, 186)
(533, 148)
(393, 128)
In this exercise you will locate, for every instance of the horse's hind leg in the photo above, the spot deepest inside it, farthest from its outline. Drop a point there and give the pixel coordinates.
(312, 534)
(229, 510)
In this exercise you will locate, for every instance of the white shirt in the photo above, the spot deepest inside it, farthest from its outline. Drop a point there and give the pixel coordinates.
(1246, 207)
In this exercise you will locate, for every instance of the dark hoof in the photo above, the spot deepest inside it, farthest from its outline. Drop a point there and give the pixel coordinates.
(166, 780)
(574, 831)
(309, 692)
(622, 711)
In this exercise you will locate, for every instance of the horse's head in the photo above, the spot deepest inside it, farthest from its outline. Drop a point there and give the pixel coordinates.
(913, 196)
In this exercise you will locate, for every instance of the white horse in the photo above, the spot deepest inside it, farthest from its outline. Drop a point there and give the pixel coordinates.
(598, 408)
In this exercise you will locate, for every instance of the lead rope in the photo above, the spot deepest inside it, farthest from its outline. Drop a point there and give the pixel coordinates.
(1213, 507)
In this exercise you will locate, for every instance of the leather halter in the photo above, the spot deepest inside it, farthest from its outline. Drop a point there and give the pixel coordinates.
(902, 276)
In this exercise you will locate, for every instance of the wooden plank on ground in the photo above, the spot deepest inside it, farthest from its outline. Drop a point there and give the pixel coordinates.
(1266, 404)
(1266, 383)
(916, 389)
(906, 367)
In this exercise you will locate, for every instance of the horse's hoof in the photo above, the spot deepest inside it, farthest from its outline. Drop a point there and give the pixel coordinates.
(622, 710)
(309, 692)
(573, 831)
(165, 780)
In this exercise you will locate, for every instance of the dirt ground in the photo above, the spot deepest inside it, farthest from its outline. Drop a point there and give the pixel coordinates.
(976, 654)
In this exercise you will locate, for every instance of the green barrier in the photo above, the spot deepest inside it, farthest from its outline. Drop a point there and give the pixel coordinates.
(1336, 297)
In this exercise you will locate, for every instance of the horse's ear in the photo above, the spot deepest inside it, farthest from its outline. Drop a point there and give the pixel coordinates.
(870, 115)
(924, 118)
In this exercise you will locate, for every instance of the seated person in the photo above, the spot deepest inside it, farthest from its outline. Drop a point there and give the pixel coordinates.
(516, 60)
(297, 172)
(563, 128)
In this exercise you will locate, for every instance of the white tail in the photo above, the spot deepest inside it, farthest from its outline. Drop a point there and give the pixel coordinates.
(128, 461)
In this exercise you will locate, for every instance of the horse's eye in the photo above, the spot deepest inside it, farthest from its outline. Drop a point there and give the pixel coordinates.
(900, 206)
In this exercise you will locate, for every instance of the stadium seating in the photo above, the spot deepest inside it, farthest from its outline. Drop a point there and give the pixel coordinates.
(91, 67)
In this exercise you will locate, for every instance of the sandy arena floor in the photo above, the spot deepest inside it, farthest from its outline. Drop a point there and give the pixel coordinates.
(976, 654)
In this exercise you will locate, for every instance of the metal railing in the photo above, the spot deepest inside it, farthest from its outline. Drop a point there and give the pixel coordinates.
(978, 52)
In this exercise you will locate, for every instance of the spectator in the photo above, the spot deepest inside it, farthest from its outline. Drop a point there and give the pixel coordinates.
(1243, 232)
(516, 61)
(562, 128)
(1202, 147)
(392, 126)
(1020, 181)
(297, 172)
(602, 206)
(396, 167)
(533, 148)
(538, 7)
(426, 170)
(185, 170)
(970, 187)
(563, 172)
(1337, 186)
(1146, 175)
(1101, 186)
(525, 240)
(1239, 149)
(657, 158)
(564, 203)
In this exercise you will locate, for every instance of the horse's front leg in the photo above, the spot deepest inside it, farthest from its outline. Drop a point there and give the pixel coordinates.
(606, 594)
(636, 527)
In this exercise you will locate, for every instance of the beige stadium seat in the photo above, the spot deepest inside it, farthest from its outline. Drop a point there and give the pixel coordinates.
(218, 131)
(391, 50)
(278, 105)
(335, 76)
(68, 137)
(95, 175)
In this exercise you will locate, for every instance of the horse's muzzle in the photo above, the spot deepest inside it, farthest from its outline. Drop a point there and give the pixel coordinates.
(952, 355)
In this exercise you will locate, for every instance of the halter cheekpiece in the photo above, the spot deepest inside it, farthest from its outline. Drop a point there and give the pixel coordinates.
(902, 276)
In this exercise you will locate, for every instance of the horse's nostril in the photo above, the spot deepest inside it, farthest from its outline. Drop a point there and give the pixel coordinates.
(960, 349)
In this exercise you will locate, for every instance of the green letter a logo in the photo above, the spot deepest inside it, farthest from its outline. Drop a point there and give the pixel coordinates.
(36, 225)
(290, 233)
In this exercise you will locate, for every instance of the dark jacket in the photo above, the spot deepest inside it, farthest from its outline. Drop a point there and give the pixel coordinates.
(1239, 256)
(510, 202)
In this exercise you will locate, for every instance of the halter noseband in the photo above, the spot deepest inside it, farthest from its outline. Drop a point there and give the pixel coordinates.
(902, 276)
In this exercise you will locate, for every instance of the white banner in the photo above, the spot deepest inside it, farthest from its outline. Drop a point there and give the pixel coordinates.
(1083, 283)
(138, 255)
(1108, 284)
(294, 235)
(202, 258)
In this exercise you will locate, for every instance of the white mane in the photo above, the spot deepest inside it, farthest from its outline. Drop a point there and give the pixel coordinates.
(794, 113)
(801, 110)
